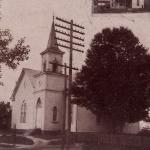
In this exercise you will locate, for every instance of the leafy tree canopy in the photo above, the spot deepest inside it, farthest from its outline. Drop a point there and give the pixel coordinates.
(114, 80)
(12, 56)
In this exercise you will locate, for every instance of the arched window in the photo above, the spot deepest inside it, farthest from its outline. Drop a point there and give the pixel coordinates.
(55, 66)
(23, 112)
(38, 104)
(54, 114)
(38, 121)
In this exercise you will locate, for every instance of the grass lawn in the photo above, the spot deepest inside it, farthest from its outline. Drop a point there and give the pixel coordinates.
(9, 139)
(110, 147)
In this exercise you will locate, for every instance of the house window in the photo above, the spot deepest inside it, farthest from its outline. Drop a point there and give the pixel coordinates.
(71, 116)
(54, 114)
(138, 2)
(23, 112)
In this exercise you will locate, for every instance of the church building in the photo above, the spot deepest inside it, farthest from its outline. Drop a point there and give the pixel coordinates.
(38, 98)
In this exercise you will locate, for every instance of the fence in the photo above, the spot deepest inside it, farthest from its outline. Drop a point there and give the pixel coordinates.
(113, 139)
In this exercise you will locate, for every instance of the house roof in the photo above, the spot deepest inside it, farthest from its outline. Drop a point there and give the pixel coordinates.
(30, 73)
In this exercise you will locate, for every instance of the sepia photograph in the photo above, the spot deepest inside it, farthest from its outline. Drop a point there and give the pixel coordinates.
(74, 74)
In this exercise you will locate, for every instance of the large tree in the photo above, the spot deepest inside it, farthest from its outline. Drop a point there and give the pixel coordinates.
(114, 80)
(12, 56)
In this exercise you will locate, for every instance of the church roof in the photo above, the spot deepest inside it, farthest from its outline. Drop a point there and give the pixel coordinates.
(30, 73)
(52, 42)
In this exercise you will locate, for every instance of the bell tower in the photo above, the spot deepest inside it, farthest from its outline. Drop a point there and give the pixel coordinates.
(50, 85)
(52, 56)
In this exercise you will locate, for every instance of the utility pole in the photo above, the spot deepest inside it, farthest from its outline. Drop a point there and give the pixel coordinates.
(71, 27)
(64, 107)
(64, 100)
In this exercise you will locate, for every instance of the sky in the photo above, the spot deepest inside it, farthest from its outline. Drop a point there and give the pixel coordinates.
(32, 19)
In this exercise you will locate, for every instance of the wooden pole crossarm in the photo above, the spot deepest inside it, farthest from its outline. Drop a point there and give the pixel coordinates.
(63, 65)
(79, 44)
(68, 22)
(69, 48)
(61, 32)
(65, 21)
(64, 27)
(78, 38)
(78, 32)
(76, 25)
(64, 33)
(64, 40)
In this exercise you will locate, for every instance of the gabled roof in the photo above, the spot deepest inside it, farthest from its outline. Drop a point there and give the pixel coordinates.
(52, 42)
(30, 73)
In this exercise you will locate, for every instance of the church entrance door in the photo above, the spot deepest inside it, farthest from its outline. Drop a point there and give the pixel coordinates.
(38, 123)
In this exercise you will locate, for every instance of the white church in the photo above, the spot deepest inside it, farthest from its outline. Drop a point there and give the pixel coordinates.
(38, 98)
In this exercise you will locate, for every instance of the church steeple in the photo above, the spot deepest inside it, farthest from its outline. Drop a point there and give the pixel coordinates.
(52, 54)
(52, 42)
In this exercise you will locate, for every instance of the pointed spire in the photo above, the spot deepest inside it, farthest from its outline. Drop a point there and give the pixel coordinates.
(52, 37)
(52, 42)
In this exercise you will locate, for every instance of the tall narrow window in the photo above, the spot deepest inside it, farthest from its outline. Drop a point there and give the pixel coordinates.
(55, 66)
(44, 66)
(23, 112)
(71, 116)
(39, 104)
(54, 114)
(21, 115)
(138, 2)
(38, 122)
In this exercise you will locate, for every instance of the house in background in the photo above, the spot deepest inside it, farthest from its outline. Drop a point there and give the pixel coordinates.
(38, 99)
(107, 5)
(127, 4)
(147, 4)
